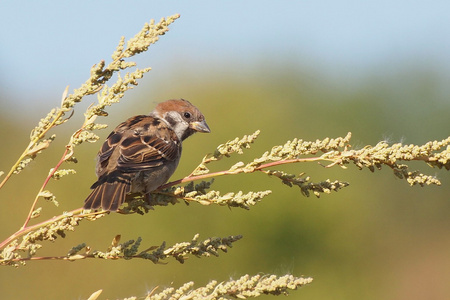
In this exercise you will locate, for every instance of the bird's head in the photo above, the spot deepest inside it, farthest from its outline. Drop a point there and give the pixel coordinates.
(183, 117)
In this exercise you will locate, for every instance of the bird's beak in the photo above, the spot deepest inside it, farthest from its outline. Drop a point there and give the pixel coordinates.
(200, 126)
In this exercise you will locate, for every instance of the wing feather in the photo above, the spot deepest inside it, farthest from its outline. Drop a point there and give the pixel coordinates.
(138, 144)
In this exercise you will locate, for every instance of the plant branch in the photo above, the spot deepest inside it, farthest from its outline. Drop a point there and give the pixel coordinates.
(237, 171)
(76, 213)
(36, 139)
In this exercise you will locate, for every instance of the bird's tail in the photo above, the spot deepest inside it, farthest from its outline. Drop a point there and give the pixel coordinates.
(109, 192)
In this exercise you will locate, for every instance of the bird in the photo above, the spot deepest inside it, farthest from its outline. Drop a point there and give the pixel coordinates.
(141, 154)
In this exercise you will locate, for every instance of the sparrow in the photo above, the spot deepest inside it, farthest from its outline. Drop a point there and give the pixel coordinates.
(142, 153)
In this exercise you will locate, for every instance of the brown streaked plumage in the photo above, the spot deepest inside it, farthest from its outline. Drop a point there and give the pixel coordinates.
(142, 153)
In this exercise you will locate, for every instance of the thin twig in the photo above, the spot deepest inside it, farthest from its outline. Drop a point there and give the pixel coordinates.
(237, 171)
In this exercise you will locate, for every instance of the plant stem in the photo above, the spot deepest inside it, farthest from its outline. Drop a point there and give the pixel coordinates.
(24, 230)
(238, 171)
(33, 206)
(30, 146)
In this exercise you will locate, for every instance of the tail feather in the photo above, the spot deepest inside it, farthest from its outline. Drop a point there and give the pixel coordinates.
(108, 193)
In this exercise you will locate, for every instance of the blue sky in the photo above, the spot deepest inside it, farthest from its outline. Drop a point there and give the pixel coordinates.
(46, 45)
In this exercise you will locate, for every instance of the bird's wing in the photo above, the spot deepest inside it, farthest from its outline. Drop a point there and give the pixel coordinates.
(140, 143)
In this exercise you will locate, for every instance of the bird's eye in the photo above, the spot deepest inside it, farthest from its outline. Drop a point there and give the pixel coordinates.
(187, 115)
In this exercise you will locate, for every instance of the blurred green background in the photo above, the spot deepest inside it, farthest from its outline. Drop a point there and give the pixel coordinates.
(376, 239)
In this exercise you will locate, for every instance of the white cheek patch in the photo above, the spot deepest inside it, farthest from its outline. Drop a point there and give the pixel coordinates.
(176, 123)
